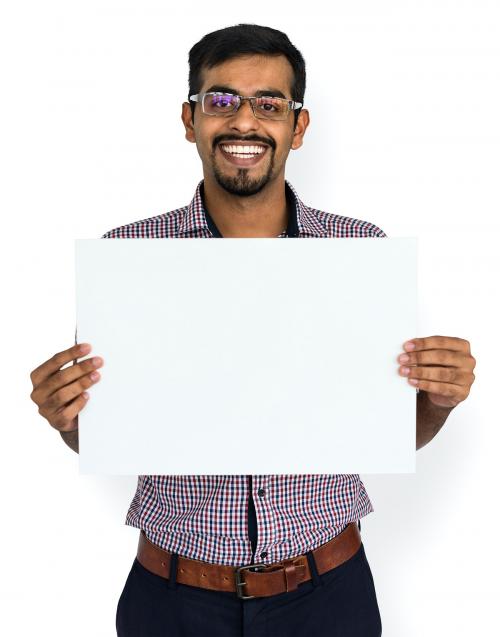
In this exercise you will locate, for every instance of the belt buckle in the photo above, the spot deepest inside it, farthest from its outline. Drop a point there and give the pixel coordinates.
(240, 582)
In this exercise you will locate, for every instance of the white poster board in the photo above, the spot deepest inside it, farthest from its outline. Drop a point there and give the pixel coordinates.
(247, 356)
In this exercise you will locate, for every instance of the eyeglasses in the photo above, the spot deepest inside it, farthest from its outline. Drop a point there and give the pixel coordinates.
(225, 104)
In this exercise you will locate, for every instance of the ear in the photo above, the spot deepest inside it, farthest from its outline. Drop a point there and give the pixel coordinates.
(300, 129)
(187, 120)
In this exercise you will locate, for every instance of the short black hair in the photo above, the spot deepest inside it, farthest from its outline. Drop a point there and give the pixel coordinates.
(245, 39)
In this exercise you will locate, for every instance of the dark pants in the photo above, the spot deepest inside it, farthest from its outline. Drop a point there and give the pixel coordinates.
(339, 603)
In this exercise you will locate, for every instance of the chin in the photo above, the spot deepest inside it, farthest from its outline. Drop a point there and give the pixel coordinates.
(241, 184)
(242, 187)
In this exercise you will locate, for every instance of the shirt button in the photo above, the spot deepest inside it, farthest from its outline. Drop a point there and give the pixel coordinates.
(263, 554)
(261, 493)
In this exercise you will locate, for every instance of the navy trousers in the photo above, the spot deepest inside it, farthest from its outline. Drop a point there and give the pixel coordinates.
(340, 603)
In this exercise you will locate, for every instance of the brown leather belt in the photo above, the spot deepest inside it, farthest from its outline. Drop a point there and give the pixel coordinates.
(268, 579)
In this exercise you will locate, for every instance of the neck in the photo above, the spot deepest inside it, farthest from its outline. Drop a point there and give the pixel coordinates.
(261, 215)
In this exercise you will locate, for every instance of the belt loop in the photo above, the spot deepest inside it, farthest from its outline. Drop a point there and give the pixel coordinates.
(315, 576)
(172, 576)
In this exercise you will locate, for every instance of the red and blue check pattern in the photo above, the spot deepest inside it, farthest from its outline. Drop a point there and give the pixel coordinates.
(204, 517)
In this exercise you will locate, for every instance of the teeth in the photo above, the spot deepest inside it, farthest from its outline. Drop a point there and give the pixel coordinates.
(243, 151)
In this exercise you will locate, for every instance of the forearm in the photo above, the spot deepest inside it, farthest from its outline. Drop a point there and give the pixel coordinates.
(430, 419)
(71, 439)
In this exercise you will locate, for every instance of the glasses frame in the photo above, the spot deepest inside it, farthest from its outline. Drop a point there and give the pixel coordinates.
(200, 98)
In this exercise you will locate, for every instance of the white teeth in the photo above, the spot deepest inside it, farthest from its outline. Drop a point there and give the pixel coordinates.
(243, 151)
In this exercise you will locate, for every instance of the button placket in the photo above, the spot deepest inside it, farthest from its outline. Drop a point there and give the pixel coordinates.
(260, 493)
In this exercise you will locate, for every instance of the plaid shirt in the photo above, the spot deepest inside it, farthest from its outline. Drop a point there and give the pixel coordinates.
(205, 517)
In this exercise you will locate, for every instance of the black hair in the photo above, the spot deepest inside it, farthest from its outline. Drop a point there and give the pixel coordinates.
(245, 39)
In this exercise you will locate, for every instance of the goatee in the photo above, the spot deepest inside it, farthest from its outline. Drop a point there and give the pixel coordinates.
(241, 184)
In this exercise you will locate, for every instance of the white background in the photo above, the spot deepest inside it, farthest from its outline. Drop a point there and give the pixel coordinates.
(404, 103)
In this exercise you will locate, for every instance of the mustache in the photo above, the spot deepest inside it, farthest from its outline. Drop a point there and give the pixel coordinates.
(253, 138)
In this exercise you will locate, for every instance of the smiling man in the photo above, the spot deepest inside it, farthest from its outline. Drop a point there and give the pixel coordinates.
(274, 555)
(248, 124)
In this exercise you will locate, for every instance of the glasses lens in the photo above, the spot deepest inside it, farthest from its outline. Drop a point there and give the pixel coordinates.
(271, 107)
(219, 104)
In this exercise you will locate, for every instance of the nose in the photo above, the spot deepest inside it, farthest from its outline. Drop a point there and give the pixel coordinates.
(244, 120)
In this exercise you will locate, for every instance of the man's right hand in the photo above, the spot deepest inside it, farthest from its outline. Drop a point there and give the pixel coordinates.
(60, 393)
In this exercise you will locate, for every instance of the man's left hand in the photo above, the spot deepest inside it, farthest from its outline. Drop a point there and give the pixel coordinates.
(442, 366)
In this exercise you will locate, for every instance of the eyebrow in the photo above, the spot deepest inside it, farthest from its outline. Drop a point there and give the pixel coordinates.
(268, 92)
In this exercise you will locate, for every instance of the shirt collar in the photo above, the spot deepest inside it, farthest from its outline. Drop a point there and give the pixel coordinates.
(303, 223)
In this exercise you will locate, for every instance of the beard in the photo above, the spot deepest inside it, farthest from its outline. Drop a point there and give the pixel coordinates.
(241, 184)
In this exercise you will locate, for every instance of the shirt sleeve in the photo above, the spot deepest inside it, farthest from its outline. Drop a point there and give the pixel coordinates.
(377, 232)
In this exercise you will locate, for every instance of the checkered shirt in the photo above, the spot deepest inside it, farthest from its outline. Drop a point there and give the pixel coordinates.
(205, 517)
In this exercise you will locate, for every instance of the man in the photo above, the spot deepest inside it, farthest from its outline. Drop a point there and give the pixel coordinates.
(246, 90)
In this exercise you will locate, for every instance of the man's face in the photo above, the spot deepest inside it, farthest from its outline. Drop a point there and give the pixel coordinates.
(216, 137)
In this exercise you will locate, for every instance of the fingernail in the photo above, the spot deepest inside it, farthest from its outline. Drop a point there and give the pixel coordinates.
(409, 346)
(95, 375)
(86, 395)
(84, 348)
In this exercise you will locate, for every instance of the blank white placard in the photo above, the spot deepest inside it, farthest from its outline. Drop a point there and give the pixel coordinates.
(247, 356)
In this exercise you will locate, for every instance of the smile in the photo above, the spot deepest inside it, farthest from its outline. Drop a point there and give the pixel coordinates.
(243, 155)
